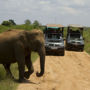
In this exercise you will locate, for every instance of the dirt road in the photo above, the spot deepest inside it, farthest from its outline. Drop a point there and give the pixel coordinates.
(69, 72)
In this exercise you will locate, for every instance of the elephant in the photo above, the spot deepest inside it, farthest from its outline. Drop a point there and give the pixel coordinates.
(16, 47)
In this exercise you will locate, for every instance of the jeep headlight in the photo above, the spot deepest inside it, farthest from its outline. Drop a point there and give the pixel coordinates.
(46, 44)
(61, 44)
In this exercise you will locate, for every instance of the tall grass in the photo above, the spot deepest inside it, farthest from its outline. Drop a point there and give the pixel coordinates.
(87, 40)
(7, 83)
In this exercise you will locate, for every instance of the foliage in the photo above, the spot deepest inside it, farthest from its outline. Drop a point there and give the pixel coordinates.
(12, 22)
(36, 24)
(23, 26)
(87, 39)
(27, 22)
(6, 23)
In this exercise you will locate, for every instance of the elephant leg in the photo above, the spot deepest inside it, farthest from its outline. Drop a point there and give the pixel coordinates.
(29, 65)
(21, 68)
(8, 71)
(20, 57)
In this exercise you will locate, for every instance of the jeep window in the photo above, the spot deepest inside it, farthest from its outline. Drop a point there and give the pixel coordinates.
(53, 29)
(57, 40)
(75, 35)
(53, 36)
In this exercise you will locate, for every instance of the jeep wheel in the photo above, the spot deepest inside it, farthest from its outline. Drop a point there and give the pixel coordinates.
(63, 53)
(67, 48)
(81, 50)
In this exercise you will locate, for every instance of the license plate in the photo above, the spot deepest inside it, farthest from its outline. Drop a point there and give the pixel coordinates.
(53, 47)
(76, 44)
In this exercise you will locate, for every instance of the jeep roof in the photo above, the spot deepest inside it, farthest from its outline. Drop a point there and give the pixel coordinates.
(54, 25)
(76, 25)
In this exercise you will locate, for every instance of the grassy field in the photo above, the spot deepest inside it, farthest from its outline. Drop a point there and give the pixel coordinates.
(87, 40)
(23, 26)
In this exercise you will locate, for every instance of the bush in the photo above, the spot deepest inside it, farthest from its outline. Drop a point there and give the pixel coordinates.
(6, 23)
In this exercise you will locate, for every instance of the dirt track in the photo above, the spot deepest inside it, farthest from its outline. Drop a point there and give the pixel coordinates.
(69, 72)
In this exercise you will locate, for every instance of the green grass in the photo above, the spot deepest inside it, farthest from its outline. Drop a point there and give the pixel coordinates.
(23, 26)
(87, 40)
(7, 83)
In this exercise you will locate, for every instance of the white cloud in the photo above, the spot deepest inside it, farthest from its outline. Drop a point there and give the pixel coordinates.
(69, 10)
(72, 2)
(46, 10)
(79, 2)
(42, 2)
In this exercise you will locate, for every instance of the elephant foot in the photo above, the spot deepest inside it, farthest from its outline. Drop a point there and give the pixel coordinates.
(23, 81)
(27, 74)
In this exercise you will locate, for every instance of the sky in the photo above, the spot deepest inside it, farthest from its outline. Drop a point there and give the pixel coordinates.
(63, 12)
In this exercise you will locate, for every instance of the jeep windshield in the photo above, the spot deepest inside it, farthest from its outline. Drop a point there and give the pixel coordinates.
(53, 28)
(54, 38)
(75, 37)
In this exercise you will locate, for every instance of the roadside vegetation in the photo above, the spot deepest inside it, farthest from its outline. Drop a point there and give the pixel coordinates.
(87, 40)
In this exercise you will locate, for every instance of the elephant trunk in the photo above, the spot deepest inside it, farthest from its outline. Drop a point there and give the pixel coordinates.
(42, 62)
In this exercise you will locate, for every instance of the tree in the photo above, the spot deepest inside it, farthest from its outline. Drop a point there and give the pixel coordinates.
(36, 23)
(27, 22)
(6, 23)
(12, 22)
